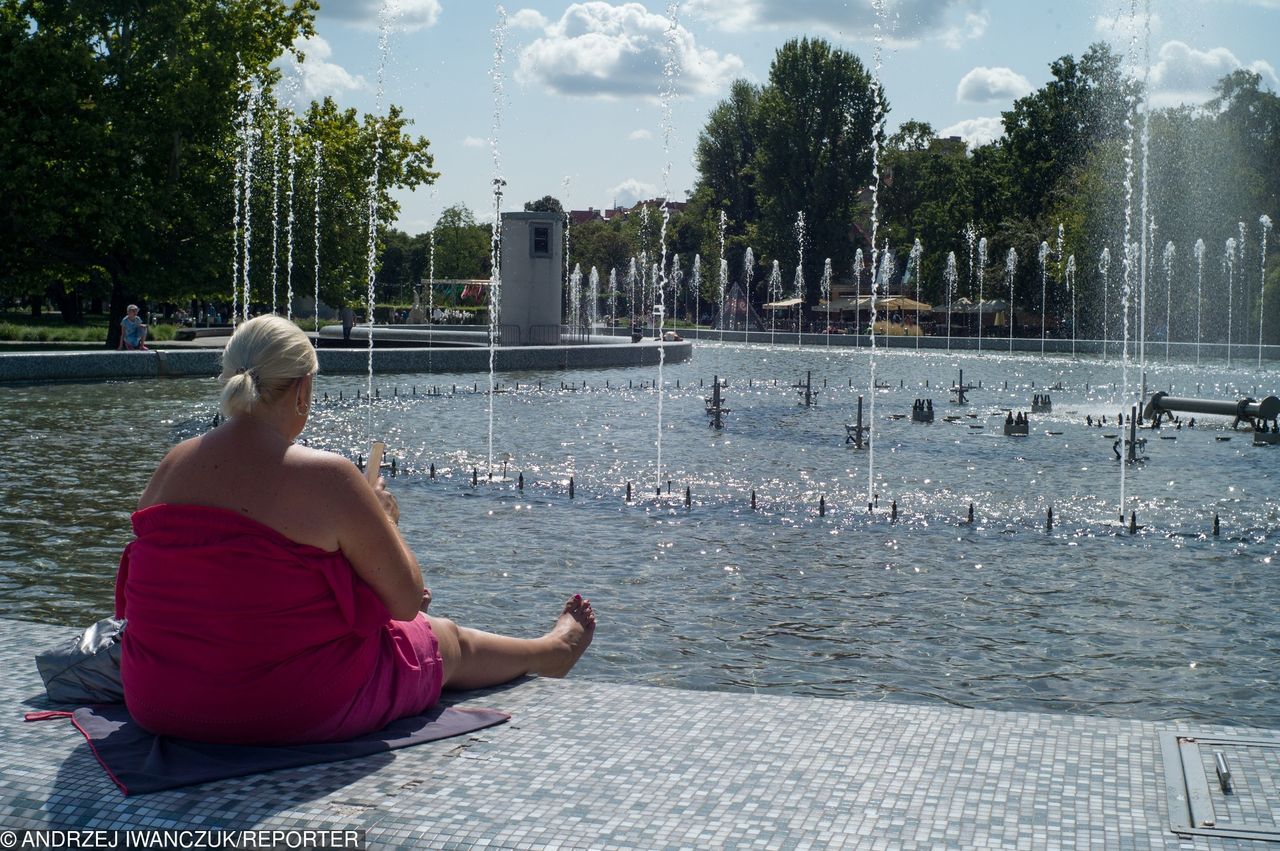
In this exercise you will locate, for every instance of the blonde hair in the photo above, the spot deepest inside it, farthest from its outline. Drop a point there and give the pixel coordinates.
(264, 356)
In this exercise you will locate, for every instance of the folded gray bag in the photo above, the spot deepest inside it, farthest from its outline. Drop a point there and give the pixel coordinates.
(88, 669)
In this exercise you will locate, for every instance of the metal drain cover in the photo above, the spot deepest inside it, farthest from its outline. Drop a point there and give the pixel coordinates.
(1223, 786)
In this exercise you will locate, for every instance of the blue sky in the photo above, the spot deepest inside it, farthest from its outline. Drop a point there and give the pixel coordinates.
(581, 116)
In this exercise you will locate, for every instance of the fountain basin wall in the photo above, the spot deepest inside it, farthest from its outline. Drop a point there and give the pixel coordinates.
(1180, 352)
(104, 365)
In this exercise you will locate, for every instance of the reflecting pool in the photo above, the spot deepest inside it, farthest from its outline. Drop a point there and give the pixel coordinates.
(1170, 622)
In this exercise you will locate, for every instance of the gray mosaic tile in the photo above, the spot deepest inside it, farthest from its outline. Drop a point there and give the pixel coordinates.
(596, 765)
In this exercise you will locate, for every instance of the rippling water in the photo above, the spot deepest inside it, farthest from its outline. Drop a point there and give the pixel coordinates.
(1168, 623)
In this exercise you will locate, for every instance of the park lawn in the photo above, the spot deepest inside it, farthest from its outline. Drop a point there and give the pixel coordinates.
(19, 326)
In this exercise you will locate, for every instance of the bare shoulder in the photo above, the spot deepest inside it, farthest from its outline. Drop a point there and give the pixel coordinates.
(328, 478)
(170, 464)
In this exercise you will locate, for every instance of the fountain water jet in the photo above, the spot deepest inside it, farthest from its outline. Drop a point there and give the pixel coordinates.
(982, 270)
(318, 182)
(799, 290)
(1044, 282)
(913, 270)
(949, 276)
(724, 273)
(1229, 271)
(1010, 267)
(497, 74)
(1264, 222)
(1170, 254)
(775, 295)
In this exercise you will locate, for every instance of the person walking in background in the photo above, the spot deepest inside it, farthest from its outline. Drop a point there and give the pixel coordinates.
(133, 331)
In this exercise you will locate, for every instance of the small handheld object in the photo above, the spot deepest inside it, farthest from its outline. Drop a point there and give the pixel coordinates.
(374, 469)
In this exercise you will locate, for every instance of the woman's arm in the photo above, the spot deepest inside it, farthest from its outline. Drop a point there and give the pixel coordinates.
(363, 518)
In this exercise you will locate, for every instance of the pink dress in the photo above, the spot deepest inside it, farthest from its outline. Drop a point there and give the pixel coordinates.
(237, 634)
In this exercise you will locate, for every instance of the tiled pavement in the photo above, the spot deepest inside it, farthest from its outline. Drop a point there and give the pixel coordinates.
(599, 765)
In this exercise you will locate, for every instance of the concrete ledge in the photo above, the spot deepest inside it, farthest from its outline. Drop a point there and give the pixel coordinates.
(102, 365)
(587, 764)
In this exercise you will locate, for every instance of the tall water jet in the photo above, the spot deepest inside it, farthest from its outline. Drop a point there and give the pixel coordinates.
(646, 279)
(724, 279)
(1147, 232)
(676, 278)
(1044, 289)
(914, 259)
(613, 296)
(1241, 265)
(275, 216)
(949, 275)
(1199, 294)
(971, 243)
(567, 223)
(575, 301)
(593, 299)
(982, 271)
(1264, 222)
(1104, 269)
(631, 294)
(1229, 272)
(1134, 252)
(695, 292)
(824, 285)
(371, 258)
(724, 272)
(317, 184)
(1010, 268)
(876, 93)
(1069, 281)
(249, 146)
(748, 272)
(496, 73)
(291, 165)
(1061, 258)
(858, 262)
(1170, 254)
(237, 195)
(669, 71)
(775, 296)
(799, 288)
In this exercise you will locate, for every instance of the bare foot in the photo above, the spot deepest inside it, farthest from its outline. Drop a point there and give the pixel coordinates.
(573, 632)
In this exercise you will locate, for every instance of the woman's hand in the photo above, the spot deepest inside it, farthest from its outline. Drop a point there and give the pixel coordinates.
(387, 500)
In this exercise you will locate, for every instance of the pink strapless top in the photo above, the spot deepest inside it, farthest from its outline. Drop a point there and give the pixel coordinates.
(239, 634)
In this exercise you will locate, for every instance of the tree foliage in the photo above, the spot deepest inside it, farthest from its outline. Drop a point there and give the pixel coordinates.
(127, 116)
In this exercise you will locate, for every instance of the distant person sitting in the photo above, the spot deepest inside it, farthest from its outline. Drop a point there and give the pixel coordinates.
(133, 331)
(348, 322)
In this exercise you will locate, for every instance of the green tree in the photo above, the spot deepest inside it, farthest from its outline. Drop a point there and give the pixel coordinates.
(347, 145)
(123, 111)
(545, 204)
(817, 118)
(1052, 132)
(726, 158)
(462, 246)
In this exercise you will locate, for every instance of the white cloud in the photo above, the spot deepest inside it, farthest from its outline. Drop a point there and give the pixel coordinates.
(630, 191)
(1183, 74)
(403, 15)
(1121, 29)
(972, 29)
(317, 77)
(600, 50)
(527, 19)
(640, 135)
(975, 131)
(906, 21)
(474, 142)
(983, 85)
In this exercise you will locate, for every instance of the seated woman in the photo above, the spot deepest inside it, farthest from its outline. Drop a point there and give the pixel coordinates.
(270, 596)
